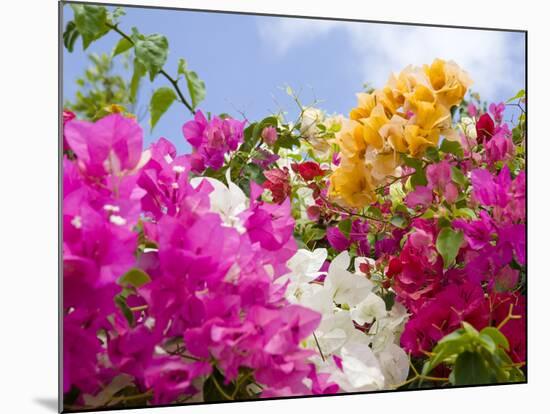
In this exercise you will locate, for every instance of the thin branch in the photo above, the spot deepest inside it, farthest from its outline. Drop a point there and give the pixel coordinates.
(173, 81)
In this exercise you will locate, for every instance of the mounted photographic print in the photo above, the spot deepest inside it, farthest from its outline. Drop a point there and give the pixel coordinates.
(263, 206)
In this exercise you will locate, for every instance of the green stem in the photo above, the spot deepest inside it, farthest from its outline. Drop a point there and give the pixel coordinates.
(220, 389)
(173, 81)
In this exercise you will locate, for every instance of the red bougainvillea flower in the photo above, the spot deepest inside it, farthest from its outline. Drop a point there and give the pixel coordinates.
(444, 314)
(278, 182)
(501, 306)
(485, 128)
(308, 170)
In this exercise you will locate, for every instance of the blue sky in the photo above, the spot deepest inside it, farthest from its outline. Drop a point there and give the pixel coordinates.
(246, 61)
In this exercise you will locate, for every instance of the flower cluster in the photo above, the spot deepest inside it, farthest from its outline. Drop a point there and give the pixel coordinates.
(169, 307)
(280, 258)
(211, 140)
(358, 337)
(406, 116)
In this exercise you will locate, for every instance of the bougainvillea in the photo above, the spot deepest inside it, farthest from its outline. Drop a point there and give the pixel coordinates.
(384, 250)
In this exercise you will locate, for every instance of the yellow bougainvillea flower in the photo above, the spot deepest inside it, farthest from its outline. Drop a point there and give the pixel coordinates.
(351, 184)
(350, 140)
(393, 133)
(448, 80)
(419, 139)
(365, 104)
(372, 125)
(408, 115)
(382, 165)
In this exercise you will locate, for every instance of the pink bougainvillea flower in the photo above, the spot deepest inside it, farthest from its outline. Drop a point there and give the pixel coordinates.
(439, 179)
(337, 239)
(421, 197)
(67, 116)
(212, 139)
(269, 135)
(497, 111)
(500, 148)
(171, 377)
(358, 235)
(472, 109)
(112, 145)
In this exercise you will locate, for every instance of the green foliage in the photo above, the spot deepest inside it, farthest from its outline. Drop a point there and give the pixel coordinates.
(135, 278)
(160, 102)
(195, 86)
(448, 243)
(452, 147)
(519, 95)
(345, 227)
(150, 55)
(215, 388)
(476, 357)
(139, 72)
(122, 46)
(458, 177)
(70, 35)
(98, 89)
(90, 22)
(151, 51)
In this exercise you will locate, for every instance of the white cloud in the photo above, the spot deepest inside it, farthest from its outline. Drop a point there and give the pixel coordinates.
(493, 59)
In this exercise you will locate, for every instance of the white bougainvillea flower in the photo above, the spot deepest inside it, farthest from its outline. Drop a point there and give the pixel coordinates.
(395, 365)
(346, 288)
(361, 370)
(228, 201)
(305, 265)
(371, 308)
(334, 331)
(386, 330)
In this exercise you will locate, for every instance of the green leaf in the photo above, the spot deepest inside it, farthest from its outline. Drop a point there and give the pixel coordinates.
(90, 21)
(117, 13)
(160, 102)
(139, 72)
(70, 35)
(215, 389)
(465, 213)
(120, 301)
(287, 141)
(519, 95)
(345, 227)
(412, 162)
(419, 178)
(452, 147)
(255, 173)
(448, 243)
(314, 233)
(471, 369)
(432, 153)
(458, 177)
(399, 221)
(195, 86)
(497, 337)
(152, 52)
(122, 46)
(135, 278)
